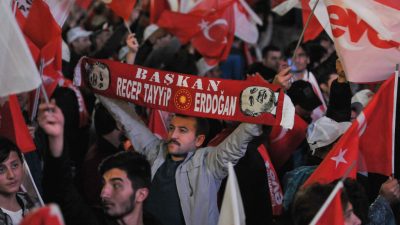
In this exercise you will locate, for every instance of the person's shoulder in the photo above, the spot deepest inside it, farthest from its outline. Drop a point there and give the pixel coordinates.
(27, 201)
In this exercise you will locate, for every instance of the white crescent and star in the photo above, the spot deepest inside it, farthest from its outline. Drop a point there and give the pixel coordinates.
(339, 158)
(205, 26)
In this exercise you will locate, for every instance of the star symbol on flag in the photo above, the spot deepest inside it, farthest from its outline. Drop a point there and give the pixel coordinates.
(340, 157)
(203, 24)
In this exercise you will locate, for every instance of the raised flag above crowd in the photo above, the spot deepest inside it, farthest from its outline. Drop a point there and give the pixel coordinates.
(18, 71)
(372, 151)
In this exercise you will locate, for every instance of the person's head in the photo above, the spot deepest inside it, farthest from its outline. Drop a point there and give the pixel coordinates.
(185, 134)
(271, 57)
(323, 134)
(256, 100)
(11, 169)
(126, 183)
(359, 101)
(309, 200)
(99, 76)
(301, 57)
(267, 73)
(106, 127)
(304, 99)
(79, 40)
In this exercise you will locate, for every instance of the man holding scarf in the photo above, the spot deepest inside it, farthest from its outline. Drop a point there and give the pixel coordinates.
(185, 177)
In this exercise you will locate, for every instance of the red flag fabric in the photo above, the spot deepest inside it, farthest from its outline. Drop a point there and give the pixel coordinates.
(13, 127)
(366, 32)
(47, 215)
(43, 36)
(338, 160)
(369, 139)
(314, 28)
(333, 214)
(253, 100)
(392, 3)
(275, 189)
(183, 26)
(376, 129)
(283, 142)
(212, 34)
(122, 8)
(84, 4)
(157, 7)
(216, 36)
(158, 123)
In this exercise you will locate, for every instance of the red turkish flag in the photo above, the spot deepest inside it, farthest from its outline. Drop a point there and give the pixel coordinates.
(157, 7)
(333, 215)
(216, 36)
(13, 127)
(43, 36)
(369, 138)
(283, 142)
(47, 215)
(211, 35)
(314, 28)
(338, 160)
(376, 129)
(158, 123)
(122, 8)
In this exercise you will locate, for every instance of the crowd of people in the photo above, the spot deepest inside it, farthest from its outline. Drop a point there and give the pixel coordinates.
(103, 165)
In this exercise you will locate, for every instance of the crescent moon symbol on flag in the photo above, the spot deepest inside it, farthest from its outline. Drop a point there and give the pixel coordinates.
(206, 28)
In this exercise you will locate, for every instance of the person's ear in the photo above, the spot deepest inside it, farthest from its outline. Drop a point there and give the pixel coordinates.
(200, 140)
(141, 194)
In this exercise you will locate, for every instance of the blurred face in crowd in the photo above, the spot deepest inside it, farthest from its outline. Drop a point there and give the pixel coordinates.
(182, 137)
(11, 174)
(301, 59)
(272, 59)
(349, 217)
(326, 87)
(102, 38)
(117, 195)
(81, 46)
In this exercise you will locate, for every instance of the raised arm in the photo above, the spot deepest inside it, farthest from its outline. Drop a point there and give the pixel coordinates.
(143, 140)
(58, 185)
(231, 149)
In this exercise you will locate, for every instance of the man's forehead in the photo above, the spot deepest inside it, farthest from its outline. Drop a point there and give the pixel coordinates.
(180, 121)
(115, 173)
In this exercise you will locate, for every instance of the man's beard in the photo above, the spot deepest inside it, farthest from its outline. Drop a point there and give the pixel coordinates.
(127, 208)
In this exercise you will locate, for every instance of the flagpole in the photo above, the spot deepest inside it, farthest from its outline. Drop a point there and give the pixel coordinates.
(302, 34)
(396, 80)
(41, 68)
(335, 190)
(127, 27)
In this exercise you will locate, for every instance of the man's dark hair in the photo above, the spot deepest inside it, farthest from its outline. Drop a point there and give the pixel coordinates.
(202, 125)
(6, 147)
(269, 48)
(134, 164)
(310, 199)
(288, 53)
